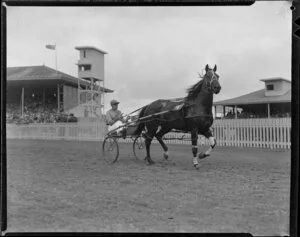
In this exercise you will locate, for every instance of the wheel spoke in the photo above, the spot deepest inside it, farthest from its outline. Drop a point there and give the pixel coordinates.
(139, 148)
(110, 149)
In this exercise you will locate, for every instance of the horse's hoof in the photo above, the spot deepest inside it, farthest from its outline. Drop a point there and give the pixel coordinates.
(202, 155)
(166, 156)
(197, 167)
(149, 161)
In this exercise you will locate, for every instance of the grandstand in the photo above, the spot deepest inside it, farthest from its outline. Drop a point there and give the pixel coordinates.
(38, 94)
(270, 102)
(47, 96)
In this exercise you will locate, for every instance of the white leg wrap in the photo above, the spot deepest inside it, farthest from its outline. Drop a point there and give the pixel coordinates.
(166, 153)
(208, 151)
(211, 141)
(195, 161)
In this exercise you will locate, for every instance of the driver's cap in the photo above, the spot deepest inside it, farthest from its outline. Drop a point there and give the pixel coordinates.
(114, 102)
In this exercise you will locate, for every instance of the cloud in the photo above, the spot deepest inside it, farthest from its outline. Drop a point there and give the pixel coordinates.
(157, 52)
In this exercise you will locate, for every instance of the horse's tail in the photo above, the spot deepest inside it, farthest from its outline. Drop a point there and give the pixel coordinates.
(141, 125)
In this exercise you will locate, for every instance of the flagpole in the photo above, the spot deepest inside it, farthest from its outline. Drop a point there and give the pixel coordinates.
(55, 58)
(53, 47)
(22, 102)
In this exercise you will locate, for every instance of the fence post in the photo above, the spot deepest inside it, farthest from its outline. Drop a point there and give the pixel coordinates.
(269, 133)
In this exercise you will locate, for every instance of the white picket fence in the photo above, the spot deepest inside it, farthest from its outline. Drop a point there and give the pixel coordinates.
(58, 131)
(265, 133)
(274, 133)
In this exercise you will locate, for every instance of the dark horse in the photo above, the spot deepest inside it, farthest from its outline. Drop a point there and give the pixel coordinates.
(192, 114)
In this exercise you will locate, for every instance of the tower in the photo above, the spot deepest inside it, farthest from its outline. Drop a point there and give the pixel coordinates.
(91, 73)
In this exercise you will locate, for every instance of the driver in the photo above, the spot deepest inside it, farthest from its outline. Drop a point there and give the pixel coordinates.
(115, 119)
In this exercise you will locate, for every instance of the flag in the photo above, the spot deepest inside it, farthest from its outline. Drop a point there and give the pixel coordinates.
(50, 46)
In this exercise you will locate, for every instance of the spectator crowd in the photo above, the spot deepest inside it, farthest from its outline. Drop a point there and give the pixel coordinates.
(35, 112)
(276, 114)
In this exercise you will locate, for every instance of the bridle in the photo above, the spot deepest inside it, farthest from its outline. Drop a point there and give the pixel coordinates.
(214, 77)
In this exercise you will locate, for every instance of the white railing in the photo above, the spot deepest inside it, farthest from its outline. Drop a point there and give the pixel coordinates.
(57, 131)
(264, 133)
(274, 133)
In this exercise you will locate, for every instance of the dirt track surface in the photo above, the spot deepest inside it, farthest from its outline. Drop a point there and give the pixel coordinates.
(67, 186)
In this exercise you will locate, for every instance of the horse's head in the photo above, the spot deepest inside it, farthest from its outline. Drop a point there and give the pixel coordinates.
(209, 83)
(211, 79)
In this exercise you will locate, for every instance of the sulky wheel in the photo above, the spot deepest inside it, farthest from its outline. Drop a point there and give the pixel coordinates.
(110, 149)
(139, 148)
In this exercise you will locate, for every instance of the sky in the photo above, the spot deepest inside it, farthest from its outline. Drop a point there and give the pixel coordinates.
(157, 52)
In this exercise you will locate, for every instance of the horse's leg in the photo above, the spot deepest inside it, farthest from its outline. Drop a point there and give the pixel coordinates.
(148, 138)
(159, 136)
(212, 142)
(194, 136)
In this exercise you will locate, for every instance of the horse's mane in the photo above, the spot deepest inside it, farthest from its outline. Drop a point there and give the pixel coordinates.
(194, 90)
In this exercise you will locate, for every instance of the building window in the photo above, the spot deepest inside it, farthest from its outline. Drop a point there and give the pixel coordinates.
(85, 67)
(270, 87)
(84, 53)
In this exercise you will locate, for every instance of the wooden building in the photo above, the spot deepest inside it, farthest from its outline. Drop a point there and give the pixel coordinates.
(274, 100)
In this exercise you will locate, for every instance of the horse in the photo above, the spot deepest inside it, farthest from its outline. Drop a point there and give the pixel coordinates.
(192, 113)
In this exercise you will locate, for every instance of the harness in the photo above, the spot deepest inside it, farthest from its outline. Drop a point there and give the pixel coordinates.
(182, 108)
(209, 83)
(199, 114)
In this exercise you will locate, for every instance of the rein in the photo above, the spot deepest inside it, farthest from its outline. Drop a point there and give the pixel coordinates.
(186, 105)
(199, 115)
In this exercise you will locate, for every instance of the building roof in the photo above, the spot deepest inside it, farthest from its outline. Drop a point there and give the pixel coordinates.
(275, 79)
(256, 97)
(90, 47)
(42, 73)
